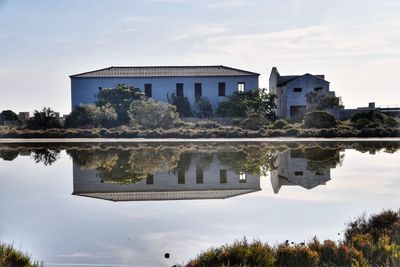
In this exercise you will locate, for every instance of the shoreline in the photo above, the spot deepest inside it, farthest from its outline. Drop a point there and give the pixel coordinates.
(197, 140)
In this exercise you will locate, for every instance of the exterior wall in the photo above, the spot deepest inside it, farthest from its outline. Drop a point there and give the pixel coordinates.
(83, 90)
(273, 88)
(307, 83)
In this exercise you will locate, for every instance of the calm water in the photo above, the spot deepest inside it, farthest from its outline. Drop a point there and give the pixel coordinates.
(128, 204)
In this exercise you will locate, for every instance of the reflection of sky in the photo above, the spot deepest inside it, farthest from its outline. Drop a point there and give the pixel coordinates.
(40, 214)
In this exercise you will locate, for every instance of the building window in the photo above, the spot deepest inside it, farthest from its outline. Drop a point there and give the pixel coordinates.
(181, 177)
(147, 90)
(318, 89)
(241, 87)
(299, 173)
(319, 173)
(150, 179)
(297, 89)
(179, 89)
(242, 177)
(221, 89)
(223, 176)
(100, 88)
(197, 90)
(199, 175)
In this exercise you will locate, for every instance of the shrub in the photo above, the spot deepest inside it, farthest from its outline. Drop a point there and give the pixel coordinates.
(44, 119)
(8, 115)
(391, 122)
(280, 124)
(9, 256)
(203, 108)
(296, 256)
(207, 124)
(151, 114)
(182, 105)
(319, 119)
(365, 119)
(254, 122)
(91, 115)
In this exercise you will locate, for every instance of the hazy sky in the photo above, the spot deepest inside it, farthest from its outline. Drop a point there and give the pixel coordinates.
(355, 43)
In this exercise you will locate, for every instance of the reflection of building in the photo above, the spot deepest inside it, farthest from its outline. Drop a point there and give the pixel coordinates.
(214, 182)
(294, 169)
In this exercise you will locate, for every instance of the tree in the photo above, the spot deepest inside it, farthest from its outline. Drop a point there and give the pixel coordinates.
(239, 104)
(203, 107)
(43, 119)
(148, 113)
(322, 100)
(8, 115)
(91, 115)
(120, 98)
(182, 105)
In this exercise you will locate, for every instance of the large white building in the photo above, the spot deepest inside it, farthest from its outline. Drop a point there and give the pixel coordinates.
(291, 90)
(213, 82)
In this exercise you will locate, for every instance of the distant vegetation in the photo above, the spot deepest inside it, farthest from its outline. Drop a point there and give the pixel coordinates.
(368, 242)
(125, 112)
(11, 257)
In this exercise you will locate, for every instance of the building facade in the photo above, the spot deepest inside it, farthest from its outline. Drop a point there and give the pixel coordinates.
(212, 82)
(291, 91)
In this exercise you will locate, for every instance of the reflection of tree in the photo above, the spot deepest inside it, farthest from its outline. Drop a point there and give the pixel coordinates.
(373, 147)
(46, 156)
(8, 155)
(319, 159)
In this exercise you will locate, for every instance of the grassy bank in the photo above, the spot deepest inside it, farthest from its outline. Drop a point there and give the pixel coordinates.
(373, 241)
(11, 257)
(216, 131)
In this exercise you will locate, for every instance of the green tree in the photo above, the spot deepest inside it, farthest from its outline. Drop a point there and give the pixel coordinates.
(322, 100)
(239, 104)
(120, 98)
(44, 119)
(8, 115)
(93, 116)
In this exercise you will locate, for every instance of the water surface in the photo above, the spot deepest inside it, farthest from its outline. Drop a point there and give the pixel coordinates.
(120, 204)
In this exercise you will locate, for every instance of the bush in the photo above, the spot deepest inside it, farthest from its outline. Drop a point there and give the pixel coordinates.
(151, 114)
(8, 115)
(9, 256)
(207, 124)
(296, 256)
(280, 124)
(391, 122)
(182, 105)
(254, 122)
(92, 116)
(44, 119)
(319, 119)
(203, 108)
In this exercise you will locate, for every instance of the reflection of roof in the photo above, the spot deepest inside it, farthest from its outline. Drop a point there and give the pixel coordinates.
(167, 195)
(283, 80)
(165, 71)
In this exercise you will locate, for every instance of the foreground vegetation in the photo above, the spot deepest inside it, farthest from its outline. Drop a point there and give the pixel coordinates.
(373, 241)
(11, 257)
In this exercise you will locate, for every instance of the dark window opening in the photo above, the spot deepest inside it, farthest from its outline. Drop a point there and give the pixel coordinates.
(241, 87)
(150, 179)
(318, 89)
(199, 176)
(179, 89)
(299, 173)
(297, 89)
(197, 90)
(147, 90)
(100, 88)
(221, 89)
(181, 177)
(319, 173)
(223, 176)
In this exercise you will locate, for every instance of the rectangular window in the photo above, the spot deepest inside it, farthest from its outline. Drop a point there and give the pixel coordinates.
(150, 179)
(299, 173)
(197, 90)
(181, 177)
(147, 90)
(100, 88)
(179, 89)
(297, 89)
(242, 177)
(318, 89)
(199, 176)
(223, 176)
(319, 173)
(241, 87)
(221, 89)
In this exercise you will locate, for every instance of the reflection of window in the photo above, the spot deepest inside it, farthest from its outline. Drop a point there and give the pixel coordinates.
(181, 177)
(179, 89)
(199, 176)
(221, 89)
(299, 173)
(223, 176)
(319, 173)
(242, 177)
(147, 90)
(297, 89)
(240, 87)
(150, 179)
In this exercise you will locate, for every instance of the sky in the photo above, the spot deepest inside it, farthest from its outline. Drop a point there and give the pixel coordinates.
(355, 43)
